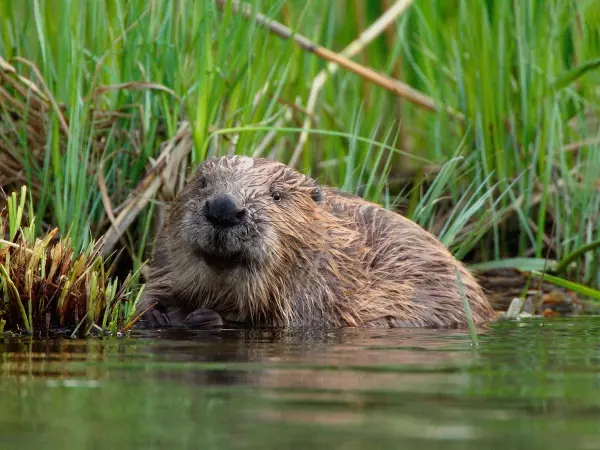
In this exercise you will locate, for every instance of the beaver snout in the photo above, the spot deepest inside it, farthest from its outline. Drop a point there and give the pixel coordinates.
(223, 211)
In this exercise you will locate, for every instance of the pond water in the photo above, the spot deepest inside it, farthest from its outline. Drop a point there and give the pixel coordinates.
(529, 384)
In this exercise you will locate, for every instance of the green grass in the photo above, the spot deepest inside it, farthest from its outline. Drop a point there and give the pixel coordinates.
(47, 286)
(509, 184)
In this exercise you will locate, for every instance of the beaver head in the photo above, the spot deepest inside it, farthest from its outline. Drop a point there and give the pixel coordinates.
(240, 212)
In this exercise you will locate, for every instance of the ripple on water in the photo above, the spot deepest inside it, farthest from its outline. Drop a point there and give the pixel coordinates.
(530, 384)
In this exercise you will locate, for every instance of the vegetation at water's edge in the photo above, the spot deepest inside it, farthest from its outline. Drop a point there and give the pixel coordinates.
(106, 106)
(46, 287)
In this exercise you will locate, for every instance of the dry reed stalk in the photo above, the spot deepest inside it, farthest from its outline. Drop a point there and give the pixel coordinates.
(24, 109)
(355, 47)
(164, 175)
(395, 86)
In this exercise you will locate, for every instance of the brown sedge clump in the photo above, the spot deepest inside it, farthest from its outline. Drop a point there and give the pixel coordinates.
(45, 287)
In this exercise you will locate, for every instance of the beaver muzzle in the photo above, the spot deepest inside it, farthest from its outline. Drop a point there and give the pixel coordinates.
(222, 211)
(224, 241)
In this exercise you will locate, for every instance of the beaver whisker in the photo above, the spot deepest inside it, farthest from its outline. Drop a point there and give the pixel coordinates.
(261, 209)
(268, 221)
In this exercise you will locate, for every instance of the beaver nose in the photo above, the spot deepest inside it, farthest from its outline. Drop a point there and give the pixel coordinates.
(223, 211)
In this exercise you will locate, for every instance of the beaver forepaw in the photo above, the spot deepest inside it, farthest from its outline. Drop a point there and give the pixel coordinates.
(203, 318)
(155, 319)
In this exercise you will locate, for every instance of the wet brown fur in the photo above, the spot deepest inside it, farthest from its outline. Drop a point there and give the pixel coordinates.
(330, 259)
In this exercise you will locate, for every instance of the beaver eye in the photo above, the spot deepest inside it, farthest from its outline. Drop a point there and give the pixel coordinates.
(317, 195)
(276, 195)
(202, 182)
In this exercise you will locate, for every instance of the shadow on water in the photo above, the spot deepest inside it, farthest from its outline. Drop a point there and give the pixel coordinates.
(533, 384)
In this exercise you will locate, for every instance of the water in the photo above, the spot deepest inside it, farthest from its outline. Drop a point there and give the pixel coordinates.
(533, 384)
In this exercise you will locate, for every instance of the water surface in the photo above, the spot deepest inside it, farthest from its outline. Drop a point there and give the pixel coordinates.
(531, 384)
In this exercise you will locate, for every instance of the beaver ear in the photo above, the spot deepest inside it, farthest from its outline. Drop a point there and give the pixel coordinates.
(317, 194)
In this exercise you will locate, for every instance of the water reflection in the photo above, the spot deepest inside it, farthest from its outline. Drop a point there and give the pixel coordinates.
(321, 359)
(527, 384)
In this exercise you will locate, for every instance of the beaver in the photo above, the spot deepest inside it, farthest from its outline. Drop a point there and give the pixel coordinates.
(253, 242)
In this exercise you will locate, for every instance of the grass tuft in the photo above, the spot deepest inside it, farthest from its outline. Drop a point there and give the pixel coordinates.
(45, 285)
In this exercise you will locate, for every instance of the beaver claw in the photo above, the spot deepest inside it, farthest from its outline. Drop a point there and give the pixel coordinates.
(203, 318)
(174, 317)
(157, 319)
